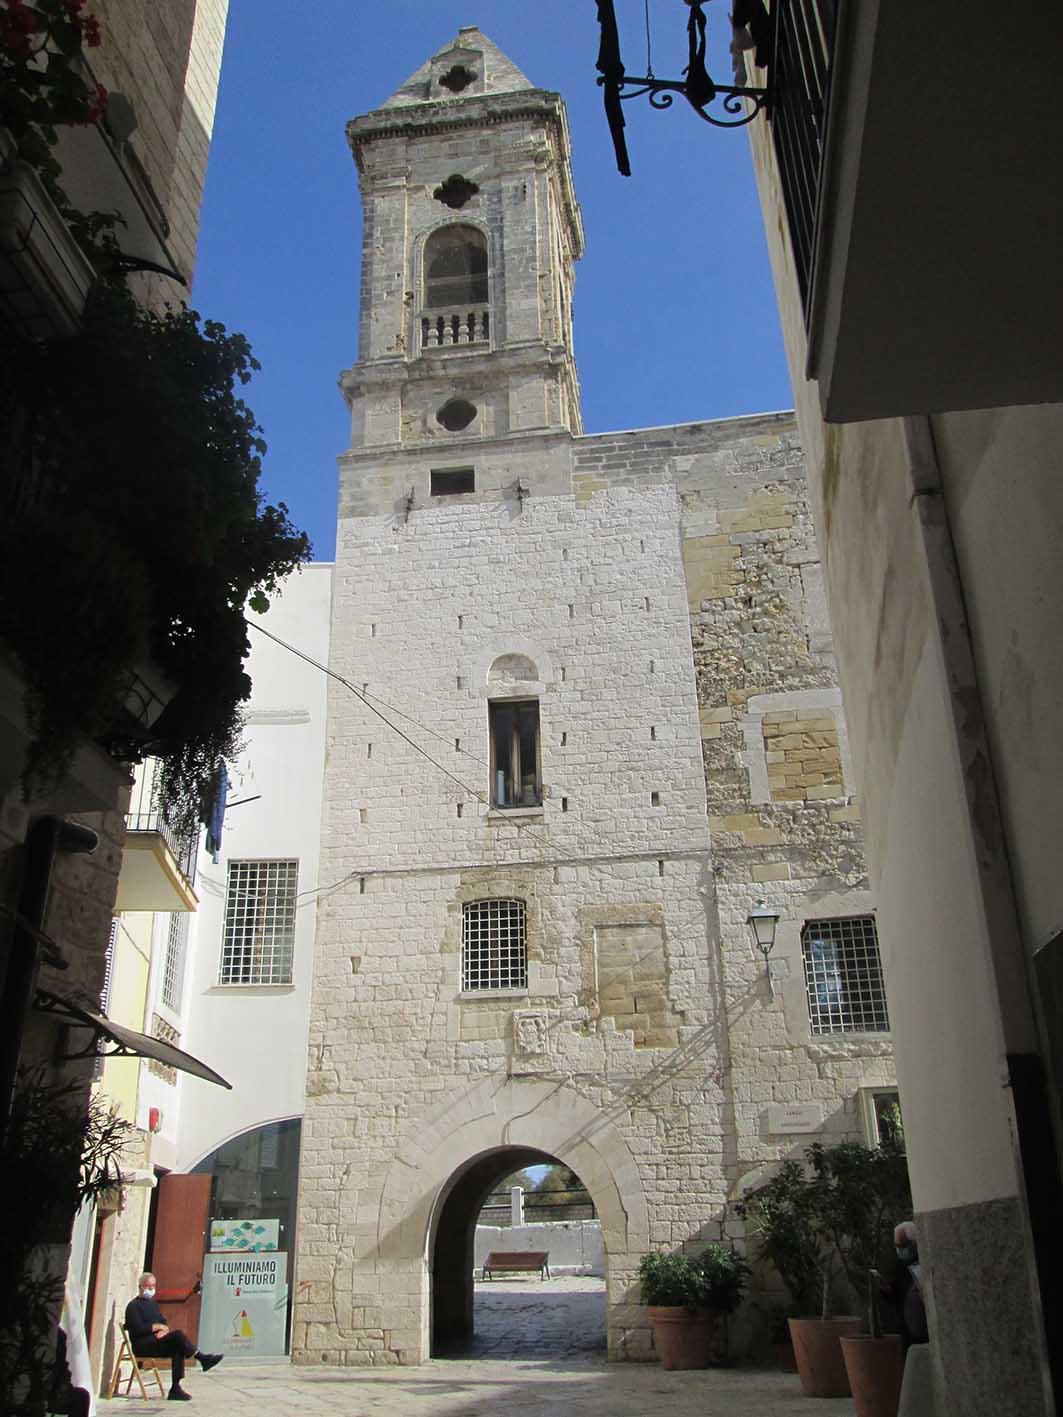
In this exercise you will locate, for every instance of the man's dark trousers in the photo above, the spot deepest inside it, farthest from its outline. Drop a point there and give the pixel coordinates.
(174, 1346)
(140, 1314)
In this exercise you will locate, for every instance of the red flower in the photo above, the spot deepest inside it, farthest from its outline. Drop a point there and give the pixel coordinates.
(73, 5)
(96, 108)
(90, 30)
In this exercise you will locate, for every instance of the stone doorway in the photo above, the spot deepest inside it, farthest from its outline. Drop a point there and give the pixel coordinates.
(512, 1316)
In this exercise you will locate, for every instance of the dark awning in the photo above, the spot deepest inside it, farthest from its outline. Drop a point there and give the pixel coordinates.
(128, 1043)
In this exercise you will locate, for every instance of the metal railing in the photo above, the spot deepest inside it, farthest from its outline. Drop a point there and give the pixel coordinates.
(562, 1205)
(801, 65)
(149, 811)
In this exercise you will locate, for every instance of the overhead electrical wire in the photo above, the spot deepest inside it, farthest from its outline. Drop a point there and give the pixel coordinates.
(364, 698)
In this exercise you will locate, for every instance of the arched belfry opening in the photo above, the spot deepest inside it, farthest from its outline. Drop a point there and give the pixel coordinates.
(453, 1262)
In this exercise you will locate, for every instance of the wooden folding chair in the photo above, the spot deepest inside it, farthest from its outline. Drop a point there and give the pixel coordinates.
(137, 1368)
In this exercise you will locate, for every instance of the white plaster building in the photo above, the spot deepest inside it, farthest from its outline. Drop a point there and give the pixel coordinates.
(590, 717)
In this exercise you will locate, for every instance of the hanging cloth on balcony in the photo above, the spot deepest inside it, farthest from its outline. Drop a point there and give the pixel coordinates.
(128, 1043)
(216, 814)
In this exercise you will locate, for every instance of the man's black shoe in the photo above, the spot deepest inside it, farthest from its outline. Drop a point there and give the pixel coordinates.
(209, 1360)
(178, 1394)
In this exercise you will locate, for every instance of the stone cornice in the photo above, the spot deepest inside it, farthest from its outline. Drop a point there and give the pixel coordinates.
(487, 111)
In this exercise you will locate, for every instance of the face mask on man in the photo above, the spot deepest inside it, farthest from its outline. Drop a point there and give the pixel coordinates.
(148, 1293)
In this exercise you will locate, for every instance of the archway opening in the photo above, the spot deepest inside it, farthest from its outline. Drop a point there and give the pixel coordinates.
(481, 1306)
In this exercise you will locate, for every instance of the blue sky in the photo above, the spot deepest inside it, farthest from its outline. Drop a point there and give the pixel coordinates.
(674, 309)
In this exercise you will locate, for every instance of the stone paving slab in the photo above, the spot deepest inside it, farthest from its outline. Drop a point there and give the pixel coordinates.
(561, 1317)
(485, 1388)
(537, 1353)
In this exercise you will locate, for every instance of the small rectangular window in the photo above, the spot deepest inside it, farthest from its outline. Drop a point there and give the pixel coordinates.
(843, 976)
(881, 1109)
(515, 772)
(450, 481)
(258, 939)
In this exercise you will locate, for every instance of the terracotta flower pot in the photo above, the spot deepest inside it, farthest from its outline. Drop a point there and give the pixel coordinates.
(875, 1367)
(820, 1364)
(681, 1336)
(784, 1357)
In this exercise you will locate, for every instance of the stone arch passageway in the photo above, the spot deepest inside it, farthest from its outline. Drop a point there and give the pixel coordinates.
(511, 1315)
(443, 1172)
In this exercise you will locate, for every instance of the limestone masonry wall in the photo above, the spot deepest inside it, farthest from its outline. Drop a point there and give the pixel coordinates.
(657, 593)
(661, 678)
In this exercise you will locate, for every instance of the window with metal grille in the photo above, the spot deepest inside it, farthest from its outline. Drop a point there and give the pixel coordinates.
(843, 976)
(259, 933)
(173, 969)
(494, 945)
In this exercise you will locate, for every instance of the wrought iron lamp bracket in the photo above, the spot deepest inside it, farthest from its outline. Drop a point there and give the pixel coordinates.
(661, 96)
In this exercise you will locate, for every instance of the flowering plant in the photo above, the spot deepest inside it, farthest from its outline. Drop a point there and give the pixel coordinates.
(43, 78)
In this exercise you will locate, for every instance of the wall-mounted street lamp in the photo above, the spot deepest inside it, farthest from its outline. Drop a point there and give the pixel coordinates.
(753, 29)
(762, 923)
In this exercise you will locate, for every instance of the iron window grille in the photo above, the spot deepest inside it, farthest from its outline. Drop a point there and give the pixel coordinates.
(843, 976)
(173, 970)
(494, 945)
(258, 940)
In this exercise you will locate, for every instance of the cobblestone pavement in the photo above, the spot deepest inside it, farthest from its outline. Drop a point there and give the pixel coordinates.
(539, 1351)
(527, 1318)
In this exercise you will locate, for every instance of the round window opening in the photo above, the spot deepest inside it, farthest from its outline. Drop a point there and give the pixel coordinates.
(456, 415)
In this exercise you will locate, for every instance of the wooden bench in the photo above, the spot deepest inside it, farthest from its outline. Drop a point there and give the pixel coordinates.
(517, 1262)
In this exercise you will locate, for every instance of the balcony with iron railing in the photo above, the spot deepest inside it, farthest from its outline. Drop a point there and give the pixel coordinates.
(801, 55)
(159, 861)
(923, 221)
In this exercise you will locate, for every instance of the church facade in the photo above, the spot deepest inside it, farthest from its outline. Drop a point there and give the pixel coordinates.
(590, 723)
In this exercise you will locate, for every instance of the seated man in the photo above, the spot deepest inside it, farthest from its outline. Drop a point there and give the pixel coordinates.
(150, 1337)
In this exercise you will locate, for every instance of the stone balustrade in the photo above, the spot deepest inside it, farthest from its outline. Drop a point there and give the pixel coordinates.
(445, 328)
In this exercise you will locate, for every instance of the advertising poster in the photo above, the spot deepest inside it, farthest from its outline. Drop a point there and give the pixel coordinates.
(244, 1234)
(245, 1303)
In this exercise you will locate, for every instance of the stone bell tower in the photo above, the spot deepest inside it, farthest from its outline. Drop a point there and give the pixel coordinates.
(471, 230)
(514, 806)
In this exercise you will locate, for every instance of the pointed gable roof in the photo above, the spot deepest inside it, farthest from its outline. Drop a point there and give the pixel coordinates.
(468, 67)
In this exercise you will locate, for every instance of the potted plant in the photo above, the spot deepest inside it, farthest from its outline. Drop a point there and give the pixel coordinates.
(874, 1362)
(686, 1294)
(55, 1156)
(868, 1194)
(817, 1222)
(786, 1218)
(105, 569)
